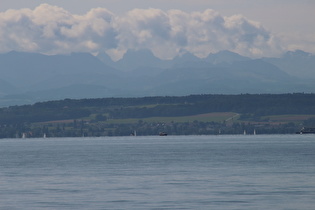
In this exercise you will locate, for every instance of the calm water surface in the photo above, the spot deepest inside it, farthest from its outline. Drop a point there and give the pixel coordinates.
(173, 172)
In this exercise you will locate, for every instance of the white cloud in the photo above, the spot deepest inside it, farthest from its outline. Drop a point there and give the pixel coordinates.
(50, 29)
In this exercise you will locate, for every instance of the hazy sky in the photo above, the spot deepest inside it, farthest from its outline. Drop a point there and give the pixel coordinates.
(168, 27)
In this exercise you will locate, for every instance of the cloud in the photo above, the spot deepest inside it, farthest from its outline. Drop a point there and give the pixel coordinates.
(50, 29)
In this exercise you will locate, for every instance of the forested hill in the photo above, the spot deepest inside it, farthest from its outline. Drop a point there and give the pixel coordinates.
(187, 115)
(120, 108)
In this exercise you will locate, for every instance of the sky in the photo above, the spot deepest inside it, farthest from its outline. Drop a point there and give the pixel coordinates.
(254, 28)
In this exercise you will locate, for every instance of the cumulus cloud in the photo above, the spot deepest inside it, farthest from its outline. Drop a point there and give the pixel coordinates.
(50, 29)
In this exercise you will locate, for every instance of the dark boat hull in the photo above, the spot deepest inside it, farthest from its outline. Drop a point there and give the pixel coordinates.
(306, 131)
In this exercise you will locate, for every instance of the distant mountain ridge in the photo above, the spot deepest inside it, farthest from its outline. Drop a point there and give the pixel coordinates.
(296, 63)
(32, 77)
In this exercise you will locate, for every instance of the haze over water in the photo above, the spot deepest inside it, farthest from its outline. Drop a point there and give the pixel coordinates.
(173, 172)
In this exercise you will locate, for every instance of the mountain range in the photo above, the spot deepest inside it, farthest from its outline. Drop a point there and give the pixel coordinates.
(32, 77)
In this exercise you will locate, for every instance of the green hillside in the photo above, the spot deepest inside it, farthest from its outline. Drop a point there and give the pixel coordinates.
(186, 115)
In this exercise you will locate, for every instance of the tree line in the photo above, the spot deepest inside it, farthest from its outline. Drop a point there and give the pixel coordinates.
(119, 108)
(89, 116)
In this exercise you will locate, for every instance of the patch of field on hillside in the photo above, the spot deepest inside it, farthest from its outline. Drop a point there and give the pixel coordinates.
(207, 117)
(288, 118)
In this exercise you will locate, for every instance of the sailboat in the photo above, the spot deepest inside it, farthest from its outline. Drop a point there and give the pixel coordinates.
(134, 133)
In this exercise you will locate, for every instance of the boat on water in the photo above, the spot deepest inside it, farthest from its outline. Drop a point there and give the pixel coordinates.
(134, 133)
(308, 130)
(163, 134)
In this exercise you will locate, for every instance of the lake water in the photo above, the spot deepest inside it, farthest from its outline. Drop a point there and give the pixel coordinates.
(171, 172)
